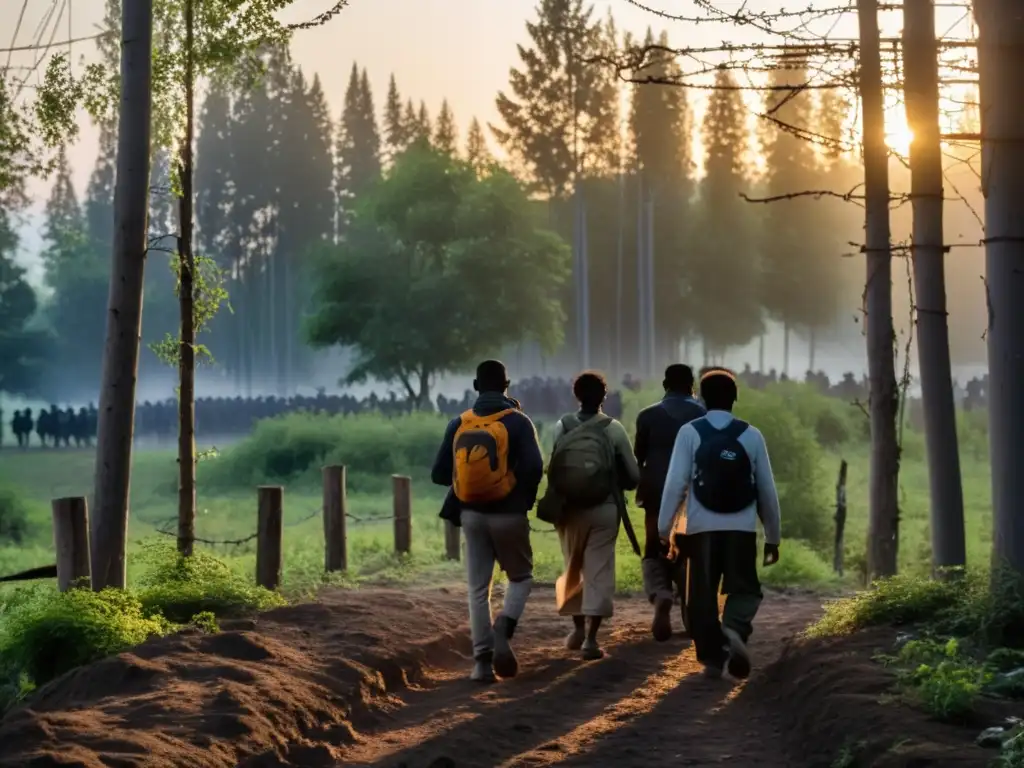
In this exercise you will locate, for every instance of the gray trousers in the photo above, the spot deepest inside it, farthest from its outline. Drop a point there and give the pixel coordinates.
(505, 540)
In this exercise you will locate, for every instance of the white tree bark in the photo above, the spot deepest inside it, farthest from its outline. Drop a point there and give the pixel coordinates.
(1000, 63)
(921, 87)
(883, 523)
(124, 308)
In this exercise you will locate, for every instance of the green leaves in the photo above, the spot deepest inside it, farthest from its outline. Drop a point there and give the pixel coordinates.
(439, 267)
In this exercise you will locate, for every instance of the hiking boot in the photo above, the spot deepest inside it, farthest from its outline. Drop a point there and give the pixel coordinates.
(739, 658)
(661, 627)
(505, 662)
(574, 640)
(658, 586)
(591, 650)
(483, 672)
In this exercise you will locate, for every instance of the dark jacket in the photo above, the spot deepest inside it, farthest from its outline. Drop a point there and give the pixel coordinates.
(656, 429)
(524, 457)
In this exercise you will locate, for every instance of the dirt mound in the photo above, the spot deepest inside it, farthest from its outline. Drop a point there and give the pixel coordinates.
(834, 706)
(378, 678)
(287, 689)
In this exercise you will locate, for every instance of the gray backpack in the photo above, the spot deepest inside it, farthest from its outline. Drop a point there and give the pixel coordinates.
(582, 467)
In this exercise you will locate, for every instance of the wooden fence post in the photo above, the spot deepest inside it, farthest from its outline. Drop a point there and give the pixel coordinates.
(451, 540)
(268, 536)
(837, 557)
(71, 541)
(335, 511)
(402, 506)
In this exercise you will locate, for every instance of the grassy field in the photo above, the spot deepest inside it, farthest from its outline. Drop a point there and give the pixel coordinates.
(807, 435)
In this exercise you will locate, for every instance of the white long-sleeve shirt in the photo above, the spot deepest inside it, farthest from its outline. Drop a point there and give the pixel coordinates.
(699, 519)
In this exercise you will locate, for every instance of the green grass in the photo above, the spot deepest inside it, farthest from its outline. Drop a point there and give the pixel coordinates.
(807, 434)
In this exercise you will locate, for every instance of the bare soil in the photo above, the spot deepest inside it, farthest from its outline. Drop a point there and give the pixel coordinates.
(379, 678)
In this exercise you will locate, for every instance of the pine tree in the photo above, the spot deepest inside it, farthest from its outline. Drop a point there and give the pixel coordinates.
(660, 137)
(99, 195)
(358, 144)
(477, 153)
(396, 137)
(725, 274)
(215, 194)
(212, 176)
(557, 114)
(800, 272)
(76, 271)
(423, 129)
(64, 231)
(445, 133)
(22, 350)
(411, 122)
(371, 131)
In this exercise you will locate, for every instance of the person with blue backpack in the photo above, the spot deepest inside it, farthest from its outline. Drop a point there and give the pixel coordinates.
(720, 466)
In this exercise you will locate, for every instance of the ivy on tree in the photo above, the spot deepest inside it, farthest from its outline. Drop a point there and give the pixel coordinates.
(439, 268)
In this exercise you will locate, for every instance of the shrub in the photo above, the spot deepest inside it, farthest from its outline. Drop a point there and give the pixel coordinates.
(14, 516)
(47, 633)
(896, 601)
(789, 416)
(180, 588)
(945, 681)
(796, 463)
(292, 448)
(799, 566)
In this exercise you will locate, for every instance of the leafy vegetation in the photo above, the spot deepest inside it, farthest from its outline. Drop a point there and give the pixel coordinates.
(439, 267)
(45, 633)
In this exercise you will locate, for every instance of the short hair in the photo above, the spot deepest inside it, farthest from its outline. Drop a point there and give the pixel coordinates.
(491, 376)
(718, 389)
(678, 378)
(590, 388)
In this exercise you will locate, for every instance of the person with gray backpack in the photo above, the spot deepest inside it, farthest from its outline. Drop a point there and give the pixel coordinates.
(591, 465)
(720, 464)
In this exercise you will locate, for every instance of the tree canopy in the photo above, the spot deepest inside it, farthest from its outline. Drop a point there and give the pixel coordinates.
(439, 267)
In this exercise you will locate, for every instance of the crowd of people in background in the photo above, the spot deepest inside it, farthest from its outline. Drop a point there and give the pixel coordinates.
(546, 398)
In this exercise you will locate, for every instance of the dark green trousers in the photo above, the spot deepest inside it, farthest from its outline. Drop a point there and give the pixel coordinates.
(725, 560)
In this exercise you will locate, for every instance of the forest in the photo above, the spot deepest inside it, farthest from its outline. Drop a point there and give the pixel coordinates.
(280, 183)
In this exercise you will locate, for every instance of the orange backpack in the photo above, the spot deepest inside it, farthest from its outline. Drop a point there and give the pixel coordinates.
(481, 473)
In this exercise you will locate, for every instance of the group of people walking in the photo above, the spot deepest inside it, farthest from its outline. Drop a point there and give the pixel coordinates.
(703, 479)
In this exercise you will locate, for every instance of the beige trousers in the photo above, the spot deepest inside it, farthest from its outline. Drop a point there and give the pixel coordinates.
(587, 586)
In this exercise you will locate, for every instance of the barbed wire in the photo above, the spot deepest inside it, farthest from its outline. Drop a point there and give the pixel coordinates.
(168, 527)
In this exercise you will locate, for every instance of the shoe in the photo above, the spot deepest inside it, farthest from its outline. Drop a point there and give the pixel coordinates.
(505, 662)
(739, 657)
(483, 672)
(712, 672)
(574, 640)
(658, 586)
(591, 650)
(661, 627)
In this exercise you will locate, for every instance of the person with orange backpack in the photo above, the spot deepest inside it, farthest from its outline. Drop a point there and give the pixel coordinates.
(491, 459)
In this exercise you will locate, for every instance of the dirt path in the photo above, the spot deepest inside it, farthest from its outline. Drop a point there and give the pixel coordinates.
(644, 702)
(379, 678)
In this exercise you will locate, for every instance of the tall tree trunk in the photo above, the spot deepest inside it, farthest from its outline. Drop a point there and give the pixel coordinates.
(883, 523)
(186, 295)
(921, 86)
(116, 422)
(1001, 61)
(785, 348)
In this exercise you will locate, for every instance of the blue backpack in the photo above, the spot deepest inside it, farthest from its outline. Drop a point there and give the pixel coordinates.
(723, 479)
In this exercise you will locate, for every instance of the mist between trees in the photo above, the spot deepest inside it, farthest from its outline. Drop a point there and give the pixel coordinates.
(278, 176)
